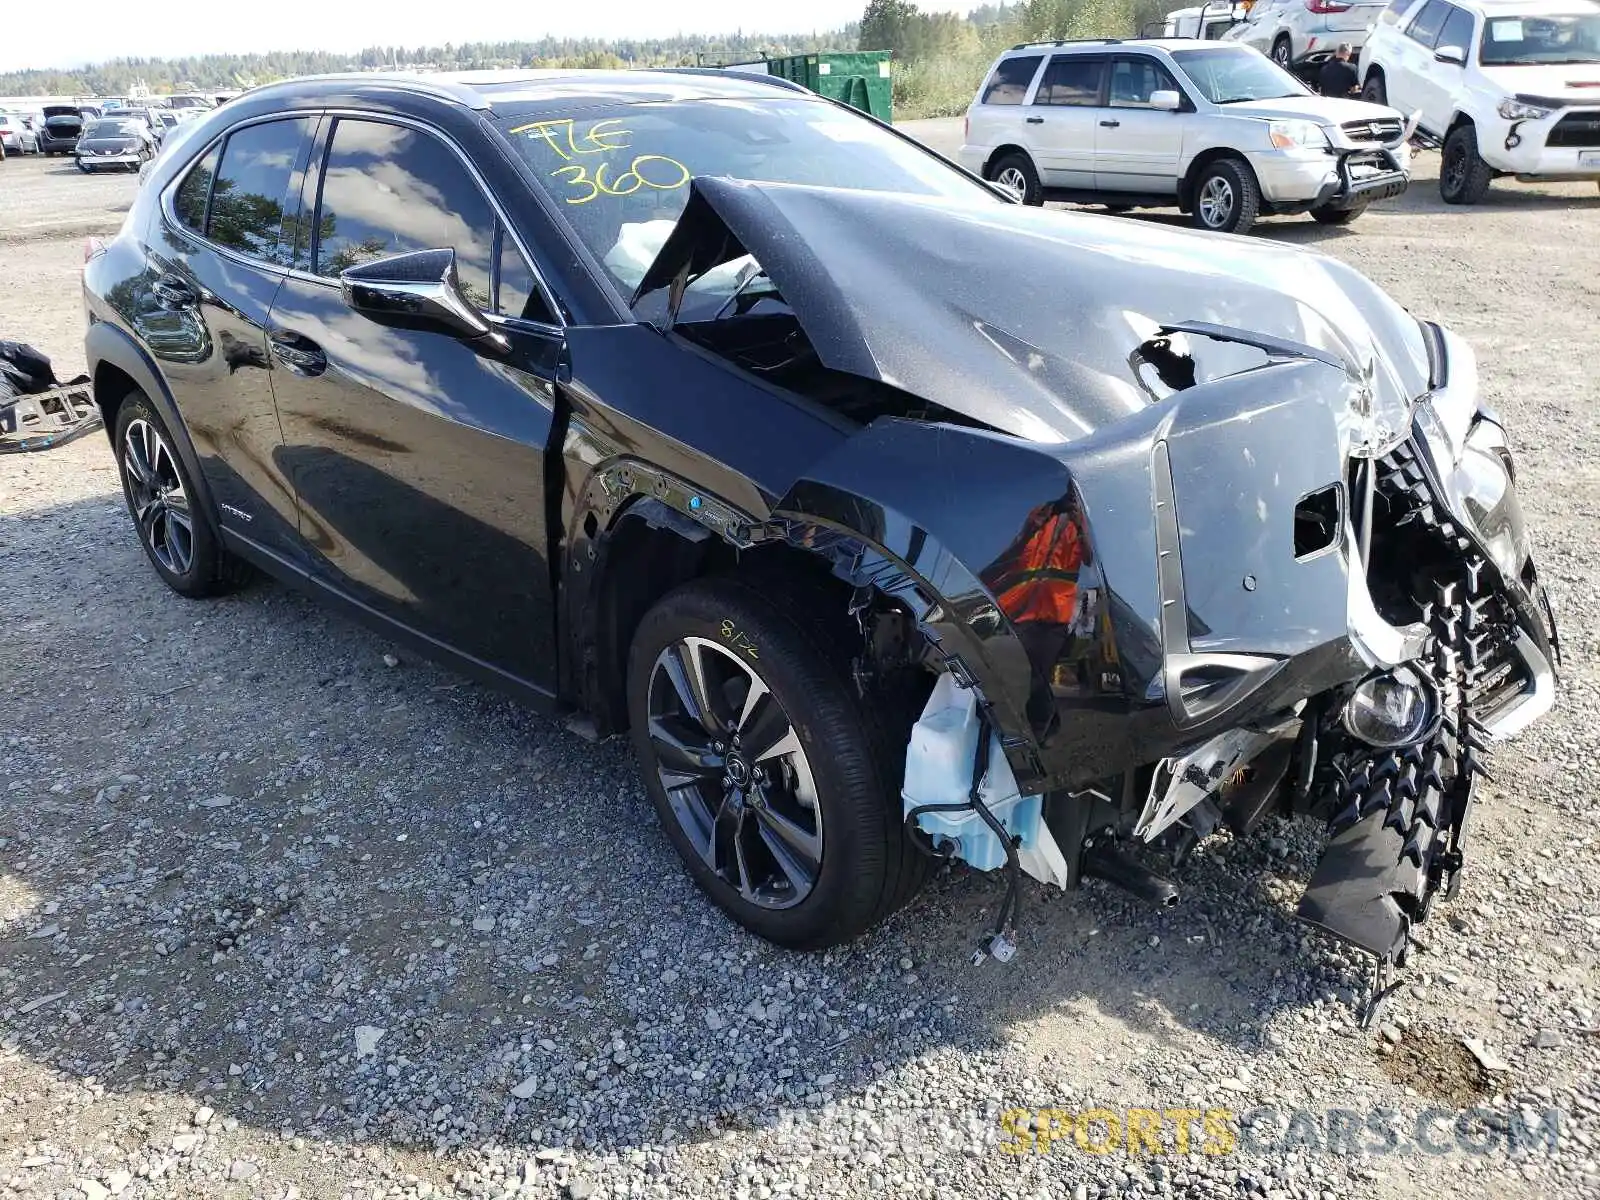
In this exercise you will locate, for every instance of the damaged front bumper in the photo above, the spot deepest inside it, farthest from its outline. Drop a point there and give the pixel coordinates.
(1393, 544)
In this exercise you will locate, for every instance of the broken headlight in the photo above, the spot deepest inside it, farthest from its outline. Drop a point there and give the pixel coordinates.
(1396, 708)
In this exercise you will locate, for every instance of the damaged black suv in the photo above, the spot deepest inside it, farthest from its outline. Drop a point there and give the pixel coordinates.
(701, 407)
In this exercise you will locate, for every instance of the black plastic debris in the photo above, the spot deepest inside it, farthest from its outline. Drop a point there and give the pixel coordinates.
(37, 410)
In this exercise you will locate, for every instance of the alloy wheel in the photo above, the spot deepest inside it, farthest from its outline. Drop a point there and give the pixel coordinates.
(160, 502)
(734, 773)
(1013, 180)
(1216, 202)
(1455, 166)
(1281, 54)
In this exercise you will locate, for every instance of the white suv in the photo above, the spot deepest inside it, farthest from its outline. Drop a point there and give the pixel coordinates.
(1211, 127)
(1299, 33)
(1510, 87)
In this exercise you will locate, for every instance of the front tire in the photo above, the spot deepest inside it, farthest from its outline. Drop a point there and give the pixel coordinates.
(179, 542)
(1227, 198)
(1337, 216)
(1375, 91)
(1464, 177)
(1015, 172)
(775, 783)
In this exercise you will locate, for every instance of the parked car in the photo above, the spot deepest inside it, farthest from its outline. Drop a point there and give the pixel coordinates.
(1509, 87)
(63, 125)
(1208, 22)
(115, 141)
(190, 101)
(15, 136)
(1301, 33)
(1210, 127)
(895, 521)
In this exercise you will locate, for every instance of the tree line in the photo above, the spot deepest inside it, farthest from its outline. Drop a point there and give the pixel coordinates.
(216, 72)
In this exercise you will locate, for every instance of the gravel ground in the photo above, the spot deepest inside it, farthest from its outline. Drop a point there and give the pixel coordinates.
(284, 912)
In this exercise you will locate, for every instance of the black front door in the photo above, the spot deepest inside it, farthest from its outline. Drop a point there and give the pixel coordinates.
(418, 459)
(217, 257)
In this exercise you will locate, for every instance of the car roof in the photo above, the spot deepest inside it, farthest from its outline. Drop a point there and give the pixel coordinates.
(524, 89)
(1107, 45)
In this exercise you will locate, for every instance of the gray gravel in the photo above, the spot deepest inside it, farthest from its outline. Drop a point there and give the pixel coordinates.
(284, 911)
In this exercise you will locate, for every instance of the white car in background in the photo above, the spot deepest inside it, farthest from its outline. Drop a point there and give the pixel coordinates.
(1509, 87)
(1300, 33)
(1213, 128)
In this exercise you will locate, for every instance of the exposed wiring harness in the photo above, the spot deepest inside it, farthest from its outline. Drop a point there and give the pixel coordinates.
(1001, 942)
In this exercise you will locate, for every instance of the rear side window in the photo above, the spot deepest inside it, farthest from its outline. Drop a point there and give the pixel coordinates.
(1457, 31)
(189, 203)
(1009, 83)
(1425, 29)
(389, 189)
(252, 188)
(1071, 79)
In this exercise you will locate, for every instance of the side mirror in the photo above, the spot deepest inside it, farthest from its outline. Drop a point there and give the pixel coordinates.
(1454, 55)
(420, 290)
(1166, 100)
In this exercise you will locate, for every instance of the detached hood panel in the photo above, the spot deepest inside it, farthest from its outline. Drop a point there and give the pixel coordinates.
(1029, 320)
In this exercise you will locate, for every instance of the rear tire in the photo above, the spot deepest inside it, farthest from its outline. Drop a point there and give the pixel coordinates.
(177, 538)
(1337, 216)
(1283, 53)
(1375, 91)
(1464, 177)
(1227, 198)
(838, 784)
(1015, 171)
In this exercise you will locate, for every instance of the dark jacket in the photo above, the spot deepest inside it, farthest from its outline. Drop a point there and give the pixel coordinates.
(1337, 78)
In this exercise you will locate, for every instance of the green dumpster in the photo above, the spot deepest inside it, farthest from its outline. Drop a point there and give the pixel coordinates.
(859, 78)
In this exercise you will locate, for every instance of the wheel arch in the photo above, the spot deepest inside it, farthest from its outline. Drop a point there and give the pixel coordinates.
(1000, 152)
(119, 366)
(1198, 167)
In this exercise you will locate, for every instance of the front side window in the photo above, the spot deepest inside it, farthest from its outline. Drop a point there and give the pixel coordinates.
(189, 202)
(1231, 74)
(1563, 40)
(1071, 79)
(389, 189)
(1424, 30)
(252, 188)
(1134, 80)
(517, 294)
(1457, 30)
(1009, 83)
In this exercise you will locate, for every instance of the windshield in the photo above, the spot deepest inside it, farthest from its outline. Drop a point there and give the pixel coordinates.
(620, 173)
(1227, 76)
(113, 129)
(1571, 38)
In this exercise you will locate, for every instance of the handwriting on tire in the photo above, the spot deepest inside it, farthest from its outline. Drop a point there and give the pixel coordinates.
(735, 637)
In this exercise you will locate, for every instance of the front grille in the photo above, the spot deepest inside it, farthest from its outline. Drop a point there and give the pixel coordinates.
(1576, 129)
(1379, 129)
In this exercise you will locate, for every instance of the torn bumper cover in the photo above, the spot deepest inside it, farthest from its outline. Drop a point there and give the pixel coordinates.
(1202, 499)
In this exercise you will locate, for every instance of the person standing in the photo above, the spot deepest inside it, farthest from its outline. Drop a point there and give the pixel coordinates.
(1338, 77)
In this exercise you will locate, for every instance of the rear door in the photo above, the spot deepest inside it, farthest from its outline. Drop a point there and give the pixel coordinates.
(1138, 148)
(1062, 118)
(218, 252)
(418, 459)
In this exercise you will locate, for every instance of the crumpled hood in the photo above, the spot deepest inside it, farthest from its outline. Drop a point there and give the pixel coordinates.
(1029, 320)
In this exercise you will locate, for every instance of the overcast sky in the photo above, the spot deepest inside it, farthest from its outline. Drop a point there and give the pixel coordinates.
(38, 34)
